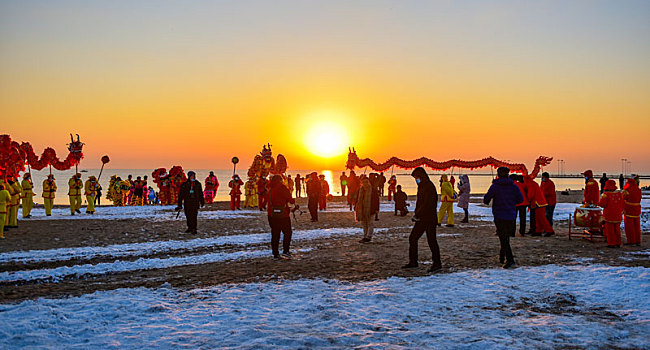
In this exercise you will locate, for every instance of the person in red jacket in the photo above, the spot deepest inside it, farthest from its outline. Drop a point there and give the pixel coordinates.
(354, 184)
(612, 203)
(521, 207)
(392, 187)
(235, 192)
(592, 191)
(632, 197)
(279, 219)
(538, 203)
(262, 192)
(324, 192)
(548, 189)
(531, 188)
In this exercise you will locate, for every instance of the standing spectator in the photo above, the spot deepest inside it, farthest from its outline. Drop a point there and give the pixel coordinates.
(290, 184)
(523, 205)
(446, 202)
(313, 196)
(367, 205)
(621, 181)
(531, 188)
(505, 196)
(298, 183)
(603, 181)
(425, 218)
(463, 196)
(382, 183)
(392, 186)
(344, 183)
(191, 197)
(145, 188)
(400, 201)
(99, 194)
(324, 192)
(353, 189)
(153, 197)
(548, 189)
(279, 219)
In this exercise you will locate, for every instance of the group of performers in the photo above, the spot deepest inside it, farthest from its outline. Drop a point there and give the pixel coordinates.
(130, 191)
(618, 206)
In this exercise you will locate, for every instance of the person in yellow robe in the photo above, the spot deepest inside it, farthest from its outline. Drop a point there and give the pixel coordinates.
(90, 191)
(14, 188)
(447, 199)
(74, 193)
(250, 191)
(27, 195)
(49, 192)
(125, 191)
(5, 201)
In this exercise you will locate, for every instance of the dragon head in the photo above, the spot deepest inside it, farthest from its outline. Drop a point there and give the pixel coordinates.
(543, 161)
(352, 159)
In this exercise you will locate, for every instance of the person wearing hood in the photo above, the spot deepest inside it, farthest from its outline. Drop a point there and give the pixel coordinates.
(632, 197)
(5, 202)
(49, 192)
(426, 219)
(191, 197)
(463, 196)
(504, 195)
(27, 195)
(90, 191)
(278, 214)
(613, 204)
(523, 205)
(313, 195)
(592, 192)
(446, 202)
(548, 189)
(74, 193)
(367, 206)
(235, 192)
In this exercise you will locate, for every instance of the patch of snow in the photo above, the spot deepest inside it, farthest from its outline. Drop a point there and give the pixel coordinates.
(538, 307)
(149, 212)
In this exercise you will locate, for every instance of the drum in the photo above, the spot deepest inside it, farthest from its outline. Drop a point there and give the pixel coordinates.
(587, 217)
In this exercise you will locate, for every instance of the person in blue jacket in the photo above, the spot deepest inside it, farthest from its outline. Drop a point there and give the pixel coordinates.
(504, 195)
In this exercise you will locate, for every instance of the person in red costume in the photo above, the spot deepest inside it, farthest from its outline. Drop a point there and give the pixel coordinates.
(324, 191)
(548, 188)
(235, 192)
(632, 197)
(612, 203)
(539, 204)
(592, 191)
(262, 192)
(521, 207)
(392, 186)
(354, 184)
(211, 186)
(531, 188)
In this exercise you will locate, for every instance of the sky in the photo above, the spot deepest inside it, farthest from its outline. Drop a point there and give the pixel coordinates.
(194, 83)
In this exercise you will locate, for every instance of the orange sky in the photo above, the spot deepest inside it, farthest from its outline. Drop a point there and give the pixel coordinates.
(151, 85)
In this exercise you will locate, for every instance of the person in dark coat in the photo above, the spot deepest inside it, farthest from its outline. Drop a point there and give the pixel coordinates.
(505, 196)
(400, 201)
(190, 196)
(426, 219)
(279, 219)
(603, 181)
(313, 195)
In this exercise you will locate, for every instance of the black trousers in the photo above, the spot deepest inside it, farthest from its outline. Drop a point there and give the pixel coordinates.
(550, 209)
(532, 219)
(190, 215)
(280, 225)
(418, 230)
(402, 210)
(521, 210)
(312, 205)
(505, 229)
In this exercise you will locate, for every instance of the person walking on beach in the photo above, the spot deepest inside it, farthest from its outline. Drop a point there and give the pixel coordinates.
(344, 183)
(99, 194)
(354, 183)
(279, 219)
(190, 196)
(463, 196)
(298, 185)
(324, 192)
(447, 201)
(313, 196)
(425, 218)
(90, 191)
(505, 195)
(367, 206)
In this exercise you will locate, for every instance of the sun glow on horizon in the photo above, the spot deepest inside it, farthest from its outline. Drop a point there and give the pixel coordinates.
(326, 139)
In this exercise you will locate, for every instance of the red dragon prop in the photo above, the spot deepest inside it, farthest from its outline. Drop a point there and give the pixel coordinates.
(354, 161)
(14, 156)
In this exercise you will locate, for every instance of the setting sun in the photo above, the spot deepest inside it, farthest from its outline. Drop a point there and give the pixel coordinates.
(326, 139)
